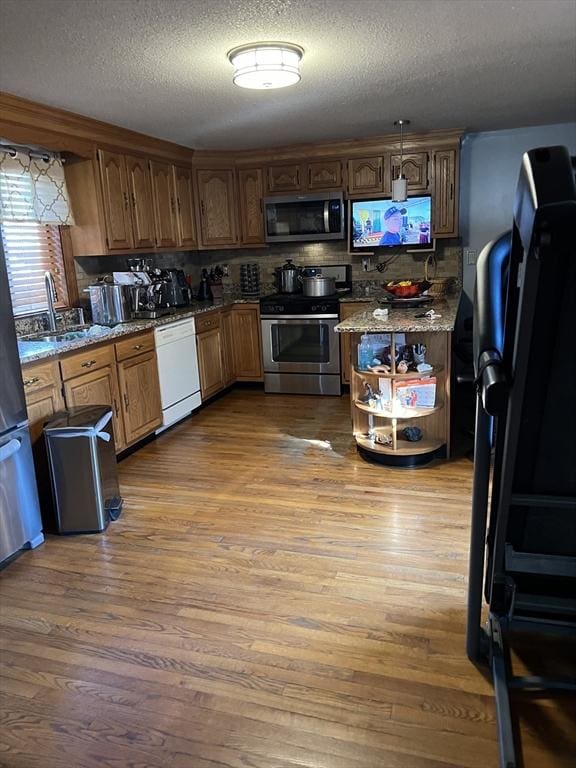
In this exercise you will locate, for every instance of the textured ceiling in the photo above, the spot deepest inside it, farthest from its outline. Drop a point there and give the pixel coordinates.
(160, 66)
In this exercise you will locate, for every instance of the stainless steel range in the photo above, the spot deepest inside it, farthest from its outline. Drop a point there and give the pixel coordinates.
(301, 351)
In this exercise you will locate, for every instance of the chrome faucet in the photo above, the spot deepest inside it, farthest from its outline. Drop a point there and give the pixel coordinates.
(51, 297)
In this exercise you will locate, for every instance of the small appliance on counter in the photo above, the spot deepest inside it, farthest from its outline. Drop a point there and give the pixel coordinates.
(204, 290)
(110, 303)
(178, 290)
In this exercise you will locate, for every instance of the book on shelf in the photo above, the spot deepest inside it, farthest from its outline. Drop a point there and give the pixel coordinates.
(415, 393)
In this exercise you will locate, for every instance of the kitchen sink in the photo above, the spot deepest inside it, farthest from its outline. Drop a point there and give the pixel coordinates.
(55, 337)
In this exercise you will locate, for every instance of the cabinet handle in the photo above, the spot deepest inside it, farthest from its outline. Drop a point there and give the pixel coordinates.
(137, 346)
(172, 206)
(178, 204)
(202, 208)
(116, 409)
(133, 199)
(380, 174)
(29, 382)
(88, 363)
(126, 401)
(126, 200)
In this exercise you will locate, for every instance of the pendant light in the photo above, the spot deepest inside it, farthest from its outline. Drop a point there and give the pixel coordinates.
(265, 66)
(399, 184)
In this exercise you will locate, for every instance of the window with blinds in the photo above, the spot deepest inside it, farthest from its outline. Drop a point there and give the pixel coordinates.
(30, 250)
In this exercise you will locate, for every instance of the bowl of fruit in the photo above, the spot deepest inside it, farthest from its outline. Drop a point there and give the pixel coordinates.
(406, 289)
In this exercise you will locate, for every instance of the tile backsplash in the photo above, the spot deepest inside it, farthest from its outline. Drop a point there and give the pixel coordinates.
(401, 265)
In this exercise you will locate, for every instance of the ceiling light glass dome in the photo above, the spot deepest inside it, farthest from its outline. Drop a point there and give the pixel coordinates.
(266, 65)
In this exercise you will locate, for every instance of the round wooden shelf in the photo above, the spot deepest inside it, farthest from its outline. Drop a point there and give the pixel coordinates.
(404, 447)
(409, 375)
(399, 412)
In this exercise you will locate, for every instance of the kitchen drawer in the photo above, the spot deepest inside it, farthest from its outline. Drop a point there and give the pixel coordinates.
(89, 360)
(207, 322)
(135, 345)
(40, 375)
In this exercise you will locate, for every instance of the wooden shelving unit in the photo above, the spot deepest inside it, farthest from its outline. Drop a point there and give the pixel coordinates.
(379, 431)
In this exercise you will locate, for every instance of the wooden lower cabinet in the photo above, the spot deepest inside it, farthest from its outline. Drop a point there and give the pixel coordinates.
(43, 391)
(228, 347)
(99, 387)
(247, 342)
(140, 390)
(347, 309)
(209, 345)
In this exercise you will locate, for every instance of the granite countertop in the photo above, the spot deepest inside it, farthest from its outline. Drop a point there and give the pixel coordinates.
(402, 320)
(32, 351)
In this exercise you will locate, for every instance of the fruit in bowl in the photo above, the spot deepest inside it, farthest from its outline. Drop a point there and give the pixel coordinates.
(406, 289)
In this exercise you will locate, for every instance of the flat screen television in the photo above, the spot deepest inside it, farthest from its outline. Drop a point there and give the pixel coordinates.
(384, 223)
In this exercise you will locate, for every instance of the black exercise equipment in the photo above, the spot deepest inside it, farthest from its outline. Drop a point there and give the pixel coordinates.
(525, 374)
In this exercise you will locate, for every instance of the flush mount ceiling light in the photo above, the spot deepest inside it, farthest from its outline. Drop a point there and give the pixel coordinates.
(399, 184)
(266, 65)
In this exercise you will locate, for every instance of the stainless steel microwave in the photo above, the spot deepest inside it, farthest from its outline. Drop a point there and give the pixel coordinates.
(316, 216)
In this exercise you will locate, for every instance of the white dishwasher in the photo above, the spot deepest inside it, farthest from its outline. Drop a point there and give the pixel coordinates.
(177, 370)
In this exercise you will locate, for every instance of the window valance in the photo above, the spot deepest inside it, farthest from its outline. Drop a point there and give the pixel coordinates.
(33, 188)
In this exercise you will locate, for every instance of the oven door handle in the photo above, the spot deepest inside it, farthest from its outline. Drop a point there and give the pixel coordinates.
(299, 317)
(327, 216)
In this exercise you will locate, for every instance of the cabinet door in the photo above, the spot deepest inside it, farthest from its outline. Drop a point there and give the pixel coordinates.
(346, 310)
(285, 178)
(185, 206)
(140, 395)
(217, 207)
(140, 188)
(250, 190)
(415, 170)
(210, 362)
(227, 339)
(43, 391)
(365, 175)
(164, 195)
(445, 196)
(116, 201)
(99, 387)
(324, 174)
(247, 343)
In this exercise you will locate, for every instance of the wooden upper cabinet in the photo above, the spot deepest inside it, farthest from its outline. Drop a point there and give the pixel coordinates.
(365, 175)
(116, 200)
(414, 169)
(285, 178)
(140, 191)
(164, 195)
(216, 191)
(187, 237)
(250, 190)
(445, 198)
(324, 174)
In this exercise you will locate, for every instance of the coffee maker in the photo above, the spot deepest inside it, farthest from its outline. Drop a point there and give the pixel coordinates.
(179, 293)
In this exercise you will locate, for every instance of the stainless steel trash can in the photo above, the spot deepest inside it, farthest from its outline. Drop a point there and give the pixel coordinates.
(83, 471)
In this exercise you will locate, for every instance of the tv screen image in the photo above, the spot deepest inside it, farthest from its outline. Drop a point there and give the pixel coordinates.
(384, 223)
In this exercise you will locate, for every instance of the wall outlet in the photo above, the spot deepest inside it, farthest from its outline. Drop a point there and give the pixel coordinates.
(471, 256)
(226, 270)
(366, 264)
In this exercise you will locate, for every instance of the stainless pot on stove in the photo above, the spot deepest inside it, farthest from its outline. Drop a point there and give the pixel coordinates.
(318, 286)
(287, 277)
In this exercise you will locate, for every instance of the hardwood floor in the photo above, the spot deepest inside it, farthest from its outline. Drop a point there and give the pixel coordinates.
(267, 600)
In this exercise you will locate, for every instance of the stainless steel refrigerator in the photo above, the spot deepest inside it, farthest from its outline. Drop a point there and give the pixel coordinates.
(20, 521)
